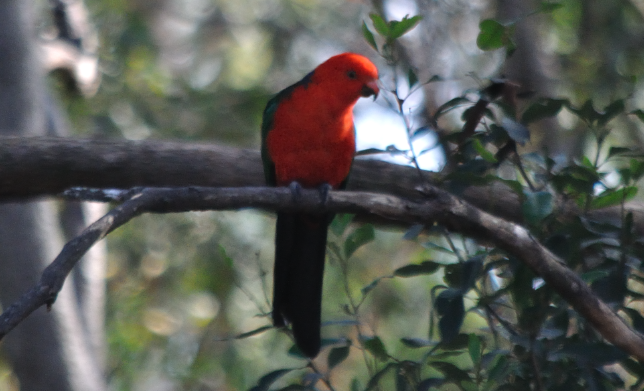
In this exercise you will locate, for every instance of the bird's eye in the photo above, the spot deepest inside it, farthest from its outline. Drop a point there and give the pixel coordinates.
(352, 74)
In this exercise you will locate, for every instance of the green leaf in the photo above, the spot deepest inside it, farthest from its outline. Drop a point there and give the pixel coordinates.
(368, 36)
(536, 206)
(368, 288)
(413, 231)
(355, 385)
(484, 153)
(618, 151)
(357, 238)
(590, 353)
(433, 79)
(253, 332)
(499, 368)
(294, 387)
(451, 105)
(639, 114)
(416, 343)
(516, 131)
(267, 380)
(412, 78)
(493, 35)
(594, 275)
(586, 112)
(613, 197)
(474, 348)
(546, 7)
(430, 383)
(370, 151)
(373, 382)
(400, 28)
(451, 372)
(544, 108)
(375, 346)
(413, 270)
(380, 25)
(637, 169)
(611, 111)
(462, 276)
(340, 223)
(337, 355)
(436, 247)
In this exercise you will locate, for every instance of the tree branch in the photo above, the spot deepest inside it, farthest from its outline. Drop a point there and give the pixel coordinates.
(40, 166)
(438, 206)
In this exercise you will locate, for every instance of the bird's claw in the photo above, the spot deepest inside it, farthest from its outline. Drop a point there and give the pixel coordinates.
(324, 192)
(296, 191)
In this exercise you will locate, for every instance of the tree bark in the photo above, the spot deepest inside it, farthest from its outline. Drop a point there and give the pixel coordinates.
(46, 166)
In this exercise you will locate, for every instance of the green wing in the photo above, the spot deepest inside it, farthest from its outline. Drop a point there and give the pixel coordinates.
(267, 125)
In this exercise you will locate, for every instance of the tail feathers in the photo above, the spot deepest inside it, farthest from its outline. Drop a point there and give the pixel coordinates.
(300, 247)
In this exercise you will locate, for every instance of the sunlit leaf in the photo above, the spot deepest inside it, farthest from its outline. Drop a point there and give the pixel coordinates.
(613, 197)
(484, 153)
(493, 35)
(400, 28)
(368, 36)
(380, 25)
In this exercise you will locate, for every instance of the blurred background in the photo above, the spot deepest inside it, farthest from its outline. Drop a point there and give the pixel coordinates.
(181, 290)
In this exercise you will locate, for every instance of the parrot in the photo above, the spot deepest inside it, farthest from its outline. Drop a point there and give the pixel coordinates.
(308, 141)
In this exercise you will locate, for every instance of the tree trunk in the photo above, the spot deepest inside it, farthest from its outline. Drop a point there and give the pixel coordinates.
(49, 351)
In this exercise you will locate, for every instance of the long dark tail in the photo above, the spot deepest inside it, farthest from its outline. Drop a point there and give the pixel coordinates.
(300, 246)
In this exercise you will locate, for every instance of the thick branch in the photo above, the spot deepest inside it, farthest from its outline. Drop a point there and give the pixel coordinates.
(40, 166)
(439, 206)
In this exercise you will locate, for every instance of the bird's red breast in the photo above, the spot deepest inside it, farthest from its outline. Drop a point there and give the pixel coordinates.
(312, 139)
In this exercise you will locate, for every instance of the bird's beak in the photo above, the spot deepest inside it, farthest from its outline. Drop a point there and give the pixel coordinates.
(370, 88)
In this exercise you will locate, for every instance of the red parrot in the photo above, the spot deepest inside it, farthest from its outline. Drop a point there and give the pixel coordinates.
(308, 137)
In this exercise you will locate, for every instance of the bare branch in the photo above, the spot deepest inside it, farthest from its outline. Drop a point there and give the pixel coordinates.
(439, 206)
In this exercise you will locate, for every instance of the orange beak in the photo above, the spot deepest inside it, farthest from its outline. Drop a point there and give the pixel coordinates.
(370, 88)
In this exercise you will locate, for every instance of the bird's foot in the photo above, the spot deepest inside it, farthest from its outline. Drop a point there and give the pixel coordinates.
(296, 191)
(324, 192)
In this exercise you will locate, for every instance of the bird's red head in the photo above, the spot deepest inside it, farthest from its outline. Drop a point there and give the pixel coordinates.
(350, 75)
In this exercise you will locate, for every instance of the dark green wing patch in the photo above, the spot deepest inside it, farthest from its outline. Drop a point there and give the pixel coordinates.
(267, 125)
